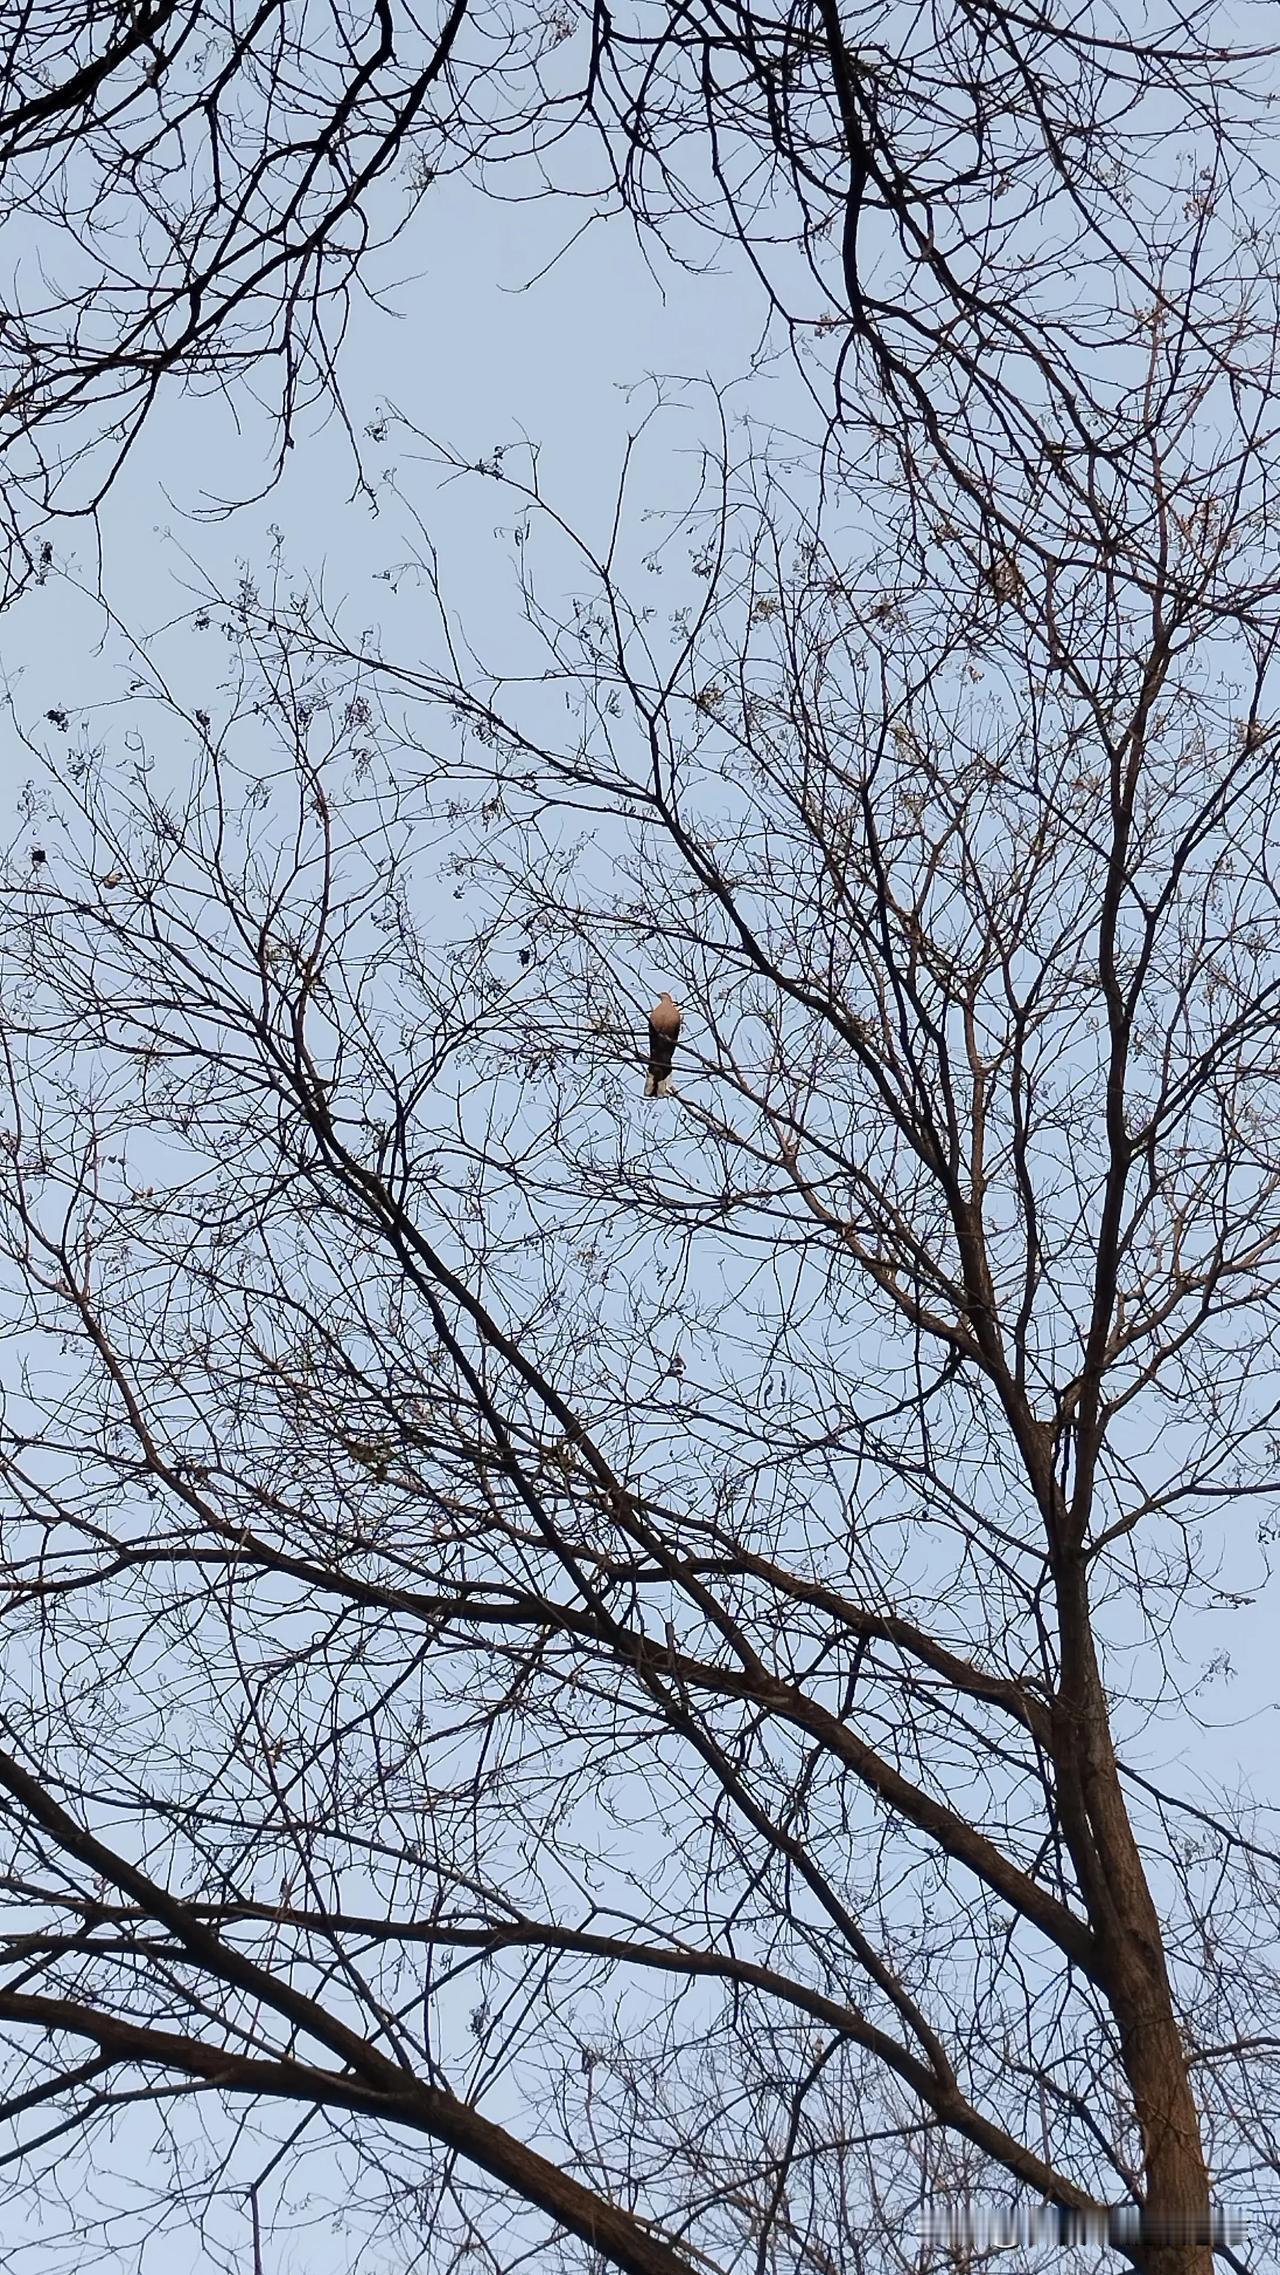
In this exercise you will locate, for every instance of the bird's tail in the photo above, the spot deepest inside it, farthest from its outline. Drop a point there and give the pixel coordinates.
(657, 1086)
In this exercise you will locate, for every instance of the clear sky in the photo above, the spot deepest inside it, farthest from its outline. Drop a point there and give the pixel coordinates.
(477, 360)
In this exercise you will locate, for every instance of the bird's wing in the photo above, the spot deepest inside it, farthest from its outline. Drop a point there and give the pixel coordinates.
(662, 1044)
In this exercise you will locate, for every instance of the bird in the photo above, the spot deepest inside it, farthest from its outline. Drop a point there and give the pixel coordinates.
(38, 856)
(664, 1026)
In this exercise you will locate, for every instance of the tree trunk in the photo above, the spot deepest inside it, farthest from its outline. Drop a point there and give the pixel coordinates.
(1131, 1948)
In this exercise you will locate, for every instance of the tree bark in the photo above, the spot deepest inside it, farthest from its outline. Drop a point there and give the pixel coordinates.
(1130, 1943)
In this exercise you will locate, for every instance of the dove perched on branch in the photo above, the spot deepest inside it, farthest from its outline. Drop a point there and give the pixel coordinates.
(664, 1026)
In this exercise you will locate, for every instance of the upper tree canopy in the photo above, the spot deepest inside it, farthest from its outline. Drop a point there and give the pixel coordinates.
(959, 198)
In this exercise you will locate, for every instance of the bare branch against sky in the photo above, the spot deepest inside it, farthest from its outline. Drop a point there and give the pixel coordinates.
(584, 1669)
(197, 192)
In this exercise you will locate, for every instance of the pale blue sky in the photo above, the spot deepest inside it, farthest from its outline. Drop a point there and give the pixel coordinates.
(477, 360)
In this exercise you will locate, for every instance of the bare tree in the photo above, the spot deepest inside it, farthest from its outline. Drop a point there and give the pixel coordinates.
(600, 1650)
(195, 190)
